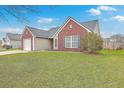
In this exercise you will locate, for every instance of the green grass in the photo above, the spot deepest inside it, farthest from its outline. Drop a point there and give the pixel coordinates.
(62, 69)
(4, 49)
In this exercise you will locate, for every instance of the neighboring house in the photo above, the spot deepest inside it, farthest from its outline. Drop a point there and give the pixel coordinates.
(114, 42)
(66, 37)
(12, 40)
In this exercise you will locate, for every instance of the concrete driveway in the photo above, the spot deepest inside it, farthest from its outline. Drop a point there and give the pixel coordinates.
(12, 52)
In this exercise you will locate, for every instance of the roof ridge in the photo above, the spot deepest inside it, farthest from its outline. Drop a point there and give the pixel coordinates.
(13, 36)
(90, 20)
(13, 33)
(93, 25)
(50, 32)
(35, 28)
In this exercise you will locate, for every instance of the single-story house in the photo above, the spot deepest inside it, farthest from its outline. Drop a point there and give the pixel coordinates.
(13, 40)
(64, 38)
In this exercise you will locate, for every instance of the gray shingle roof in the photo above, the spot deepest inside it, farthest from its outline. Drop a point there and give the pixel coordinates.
(91, 25)
(53, 31)
(13, 36)
(39, 32)
(117, 38)
(42, 33)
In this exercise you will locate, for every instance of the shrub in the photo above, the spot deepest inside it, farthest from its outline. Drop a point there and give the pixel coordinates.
(91, 43)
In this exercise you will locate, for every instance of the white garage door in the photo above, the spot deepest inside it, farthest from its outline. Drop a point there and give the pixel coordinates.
(27, 44)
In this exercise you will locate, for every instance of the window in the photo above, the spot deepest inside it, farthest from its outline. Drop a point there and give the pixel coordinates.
(75, 41)
(67, 42)
(70, 26)
(55, 42)
(72, 41)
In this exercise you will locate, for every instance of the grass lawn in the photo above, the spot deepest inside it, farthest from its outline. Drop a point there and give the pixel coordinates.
(62, 69)
(4, 49)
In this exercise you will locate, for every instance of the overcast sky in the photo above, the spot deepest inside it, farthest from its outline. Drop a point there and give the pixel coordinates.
(111, 18)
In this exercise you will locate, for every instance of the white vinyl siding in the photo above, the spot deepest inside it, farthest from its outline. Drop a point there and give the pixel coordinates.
(72, 41)
(15, 44)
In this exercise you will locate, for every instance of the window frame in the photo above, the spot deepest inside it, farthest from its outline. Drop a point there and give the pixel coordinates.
(55, 43)
(71, 41)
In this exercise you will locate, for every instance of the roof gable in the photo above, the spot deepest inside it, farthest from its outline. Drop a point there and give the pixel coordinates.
(69, 19)
(42, 33)
(90, 26)
(13, 36)
(38, 32)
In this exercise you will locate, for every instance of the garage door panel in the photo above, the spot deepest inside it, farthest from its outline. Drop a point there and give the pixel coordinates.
(27, 44)
(42, 44)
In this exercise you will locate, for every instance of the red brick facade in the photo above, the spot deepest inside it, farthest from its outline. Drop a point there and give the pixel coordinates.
(70, 28)
(26, 35)
(66, 31)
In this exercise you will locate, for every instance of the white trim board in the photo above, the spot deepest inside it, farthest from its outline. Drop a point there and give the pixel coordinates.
(32, 36)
